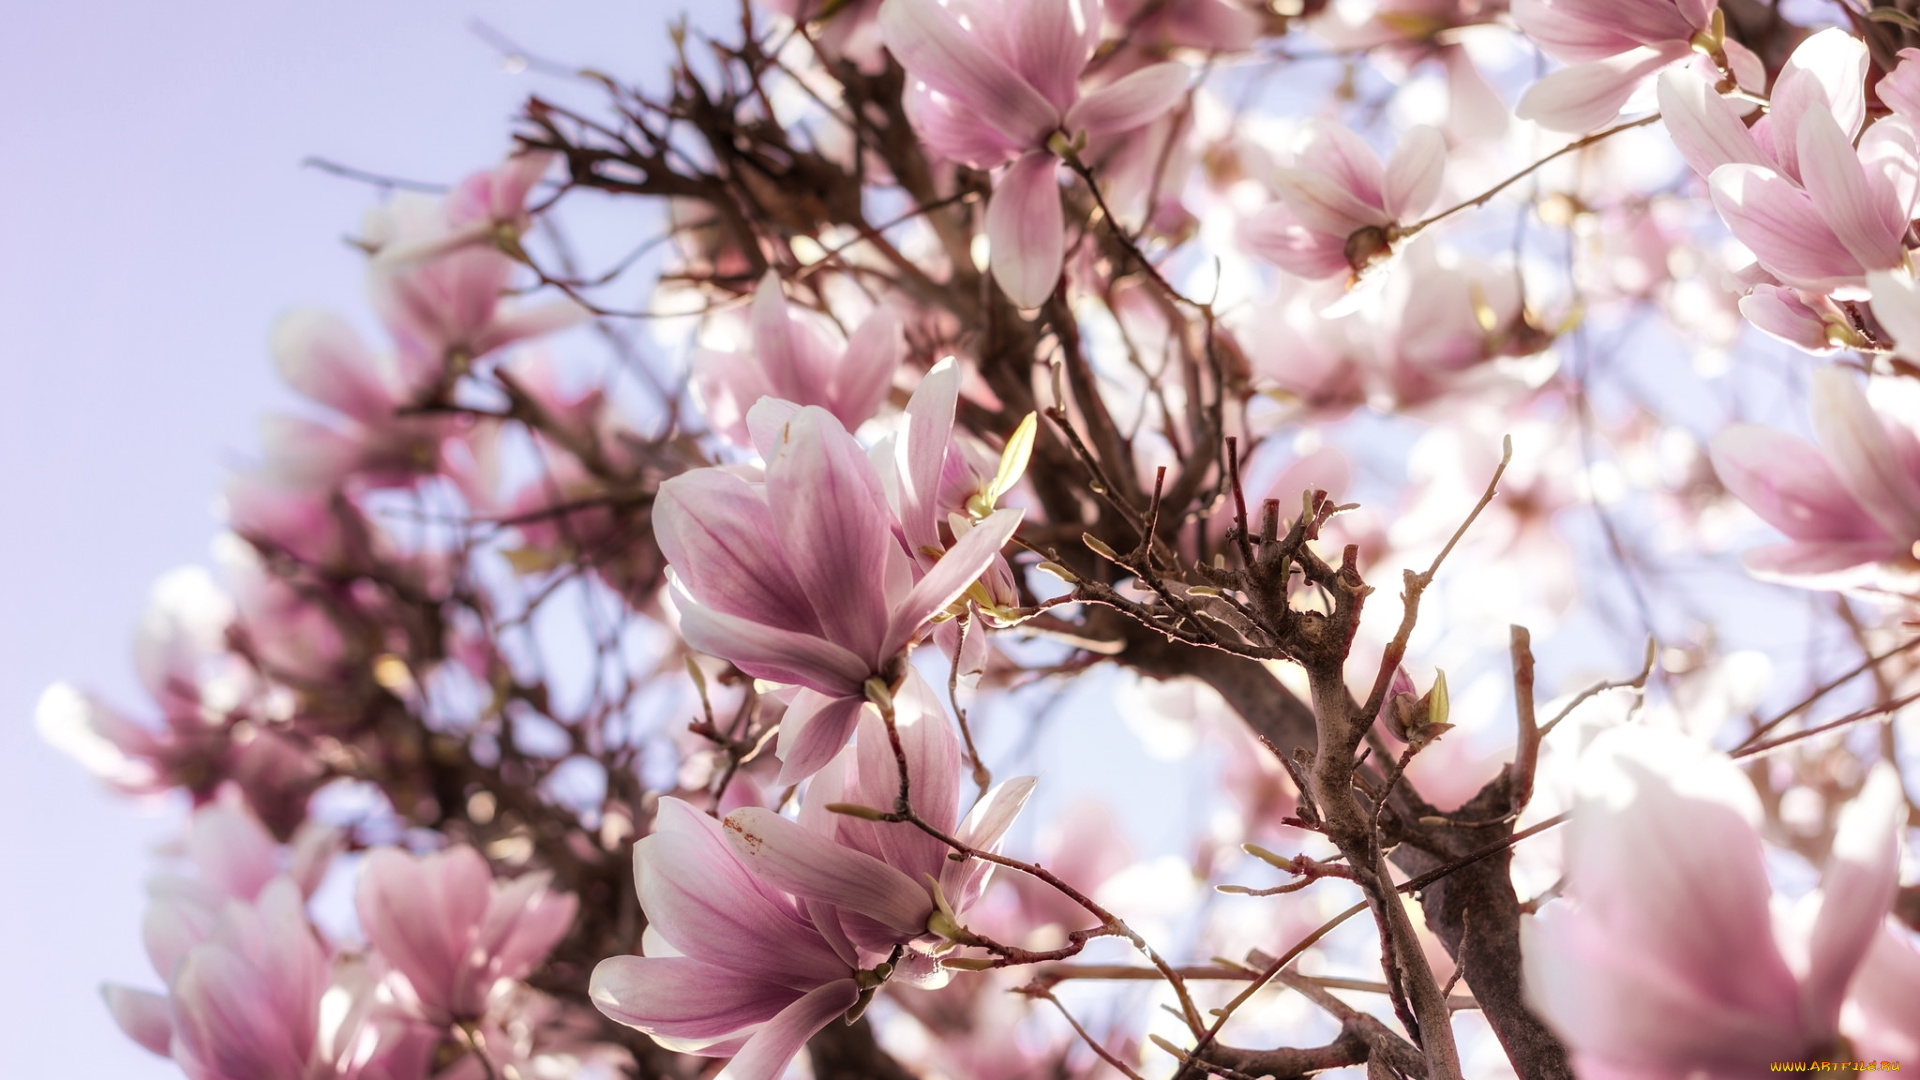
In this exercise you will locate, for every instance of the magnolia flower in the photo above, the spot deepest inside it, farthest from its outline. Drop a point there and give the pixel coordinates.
(1816, 212)
(877, 884)
(1611, 48)
(1884, 1024)
(801, 579)
(1850, 502)
(1811, 322)
(452, 933)
(1000, 88)
(1664, 961)
(441, 268)
(790, 360)
(1338, 207)
(732, 966)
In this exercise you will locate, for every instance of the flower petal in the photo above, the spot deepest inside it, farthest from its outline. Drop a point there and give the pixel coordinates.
(812, 867)
(1132, 101)
(1777, 220)
(1026, 230)
(718, 534)
(1854, 440)
(1789, 484)
(935, 49)
(1586, 96)
(960, 567)
(766, 1054)
(1414, 173)
(1832, 174)
(813, 730)
(1704, 126)
(682, 998)
(1856, 893)
(141, 1015)
(768, 652)
(865, 372)
(320, 355)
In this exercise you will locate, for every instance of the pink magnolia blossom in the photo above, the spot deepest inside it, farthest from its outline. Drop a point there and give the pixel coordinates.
(441, 269)
(1846, 504)
(452, 933)
(732, 966)
(1213, 25)
(1817, 212)
(802, 580)
(1881, 1019)
(790, 359)
(1338, 205)
(1665, 962)
(999, 88)
(877, 884)
(1611, 49)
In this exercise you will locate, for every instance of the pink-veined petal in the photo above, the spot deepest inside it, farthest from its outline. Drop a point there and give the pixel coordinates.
(767, 652)
(1833, 177)
(1277, 235)
(813, 730)
(1047, 49)
(683, 998)
(1778, 221)
(812, 867)
(1026, 230)
(1704, 126)
(865, 371)
(1587, 96)
(1789, 484)
(986, 824)
(934, 48)
(718, 534)
(929, 431)
(1782, 314)
(1132, 101)
(831, 519)
(1896, 304)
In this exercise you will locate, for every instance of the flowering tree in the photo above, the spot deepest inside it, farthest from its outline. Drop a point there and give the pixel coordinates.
(623, 668)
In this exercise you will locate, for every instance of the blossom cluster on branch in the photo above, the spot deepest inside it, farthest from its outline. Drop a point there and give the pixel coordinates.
(608, 671)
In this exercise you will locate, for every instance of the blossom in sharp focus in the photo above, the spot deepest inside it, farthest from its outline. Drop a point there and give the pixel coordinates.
(789, 359)
(1338, 205)
(1847, 504)
(801, 579)
(995, 81)
(731, 965)
(1664, 961)
(454, 933)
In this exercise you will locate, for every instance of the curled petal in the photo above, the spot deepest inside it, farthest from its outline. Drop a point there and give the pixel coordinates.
(682, 998)
(960, 567)
(814, 729)
(1026, 231)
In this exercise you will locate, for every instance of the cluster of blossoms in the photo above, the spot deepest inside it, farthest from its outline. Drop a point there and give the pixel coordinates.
(1044, 386)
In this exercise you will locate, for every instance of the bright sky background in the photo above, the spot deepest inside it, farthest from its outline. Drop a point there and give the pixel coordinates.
(158, 220)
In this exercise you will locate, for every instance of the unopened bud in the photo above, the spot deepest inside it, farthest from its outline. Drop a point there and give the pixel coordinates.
(1100, 547)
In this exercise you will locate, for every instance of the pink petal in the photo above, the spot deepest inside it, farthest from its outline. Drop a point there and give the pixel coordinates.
(864, 373)
(989, 820)
(1884, 991)
(233, 850)
(1789, 484)
(703, 902)
(142, 1015)
(935, 49)
(420, 913)
(1569, 37)
(682, 998)
(717, 533)
(320, 355)
(1047, 50)
(1900, 88)
(1335, 151)
(1856, 893)
(1132, 101)
(797, 363)
(1414, 173)
(1783, 314)
(1324, 204)
(1777, 220)
(766, 1054)
(929, 430)
(1026, 230)
(831, 519)
(933, 767)
(1820, 564)
(960, 567)
(1587, 96)
(1896, 304)
(770, 653)
(1276, 235)
(1705, 127)
(1833, 177)
(957, 133)
(1827, 71)
(528, 321)
(812, 867)
(813, 730)
(524, 921)
(1865, 459)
